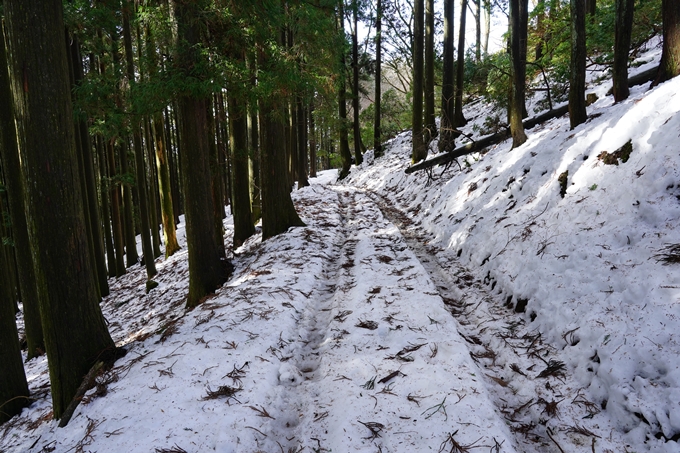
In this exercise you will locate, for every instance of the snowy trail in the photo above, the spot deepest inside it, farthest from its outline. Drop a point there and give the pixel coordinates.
(367, 372)
(526, 375)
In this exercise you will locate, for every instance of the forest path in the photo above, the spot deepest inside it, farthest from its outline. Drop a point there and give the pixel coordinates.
(378, 364)
(526, 374)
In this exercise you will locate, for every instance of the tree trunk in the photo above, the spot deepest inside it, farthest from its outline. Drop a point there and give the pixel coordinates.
(458, 118)
(345, 154)
(301, 125)
(254, 146)
(207, 269)
(312, 141)
(116, 219)
(624, 25)
(13, 386)
(238, 143)
(164, 188)
(215, 180)
(74, 328)
(670, 53)
(140, 171)
(540, 32)
(478, 30)
(355, 83)
(106, 212)
(377, 132)
(151, 181)
(577, 81)
(518, 52)
(11, 166)
(448, 135)
(88, 168)
(487, 26)
(591, 7)
(430, 131)
(419, 151)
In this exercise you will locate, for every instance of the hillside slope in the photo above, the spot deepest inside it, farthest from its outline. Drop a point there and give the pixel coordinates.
(584, 268)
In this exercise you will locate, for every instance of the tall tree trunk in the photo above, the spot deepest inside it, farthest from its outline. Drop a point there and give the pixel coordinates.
(345, 154)
(11, 167)
(312, 141)
(458, 118)
(624, 26)
(591, 7)
(478, 29)
(207, 269)
(518, 52)
(74, 328)
(419, 151)
(80, 152)
(106, 215)
(670, 53)
(430, 131)
(301, 144)
(86, 157)
(164, 187)
(577, 80)
(540, 30)
(377, 132)
(215, 181)
(116, 219)
(254, 145)
(238, 143)
(447, 135)
(140, 172)
(154, 196)
(355, 83)
(487, 26)
(14, 394)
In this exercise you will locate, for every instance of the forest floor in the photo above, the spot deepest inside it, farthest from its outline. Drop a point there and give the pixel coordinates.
(344, 335)
(473, 309)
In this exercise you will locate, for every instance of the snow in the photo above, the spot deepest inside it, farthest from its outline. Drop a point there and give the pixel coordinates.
(436, 272)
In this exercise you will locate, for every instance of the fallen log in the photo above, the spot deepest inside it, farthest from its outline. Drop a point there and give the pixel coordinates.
(478, 145)
(488, 140)
(638, 79)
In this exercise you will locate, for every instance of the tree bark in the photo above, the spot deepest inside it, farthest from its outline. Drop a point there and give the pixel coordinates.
(74, 328)
(9, 152)
(216, 179)
(254, 146)
(458, 118)
(448, 135)
(140, 171)
(670, 53)
(301, 125)
(358, 158)
(419, 151)
(430, 131)
(207, 269)
(106, 215)
(624, 26)
(518, 52)
(238, 143)
(577, 80)
(13, 386)
(345, 154)
(377, 132)
(116, 219)
(478, 29)
(164, 187)
(312, 141)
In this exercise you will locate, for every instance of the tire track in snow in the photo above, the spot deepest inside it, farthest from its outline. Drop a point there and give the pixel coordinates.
(334, 388)
(527, 375)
